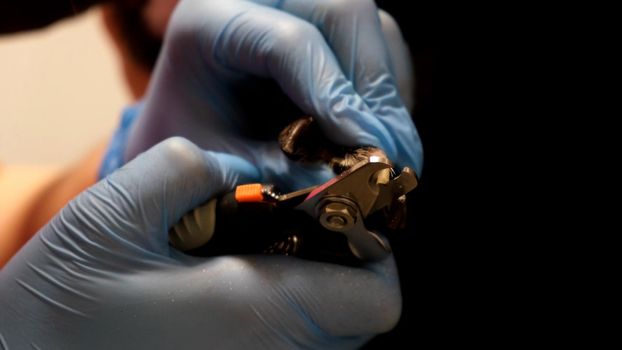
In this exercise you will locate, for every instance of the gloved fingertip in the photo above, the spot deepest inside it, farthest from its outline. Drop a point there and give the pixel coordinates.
(419, 163)
(415, 159)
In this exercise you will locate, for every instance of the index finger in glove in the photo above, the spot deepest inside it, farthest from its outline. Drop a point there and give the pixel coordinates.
(265, 302)
(354, 32)
(242, 37)
(342, 301)
(370, 50)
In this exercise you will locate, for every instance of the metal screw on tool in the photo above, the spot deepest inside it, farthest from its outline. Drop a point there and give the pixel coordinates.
(336, 221)
(337, 216)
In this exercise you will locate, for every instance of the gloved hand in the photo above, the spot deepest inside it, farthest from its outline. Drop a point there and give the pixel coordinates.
(102, 275)
(231, 74)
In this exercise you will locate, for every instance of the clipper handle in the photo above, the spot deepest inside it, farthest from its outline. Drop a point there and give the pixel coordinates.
(223, 226)
(226, 226)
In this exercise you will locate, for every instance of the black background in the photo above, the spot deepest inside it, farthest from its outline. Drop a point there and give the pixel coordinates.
(438, 255)
(427, 311)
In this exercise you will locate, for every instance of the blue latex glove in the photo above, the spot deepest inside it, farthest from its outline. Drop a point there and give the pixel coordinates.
(102, 275)
(228, 68)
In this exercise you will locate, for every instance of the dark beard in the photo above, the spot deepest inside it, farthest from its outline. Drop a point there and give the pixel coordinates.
(142, 44)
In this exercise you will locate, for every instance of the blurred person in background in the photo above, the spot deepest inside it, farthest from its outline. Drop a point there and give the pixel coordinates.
(138, 28)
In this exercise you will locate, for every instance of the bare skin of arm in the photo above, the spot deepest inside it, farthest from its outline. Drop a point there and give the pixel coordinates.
(32, 195)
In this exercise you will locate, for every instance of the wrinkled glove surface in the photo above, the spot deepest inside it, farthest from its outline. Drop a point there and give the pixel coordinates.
(232, 74)
(101, 274)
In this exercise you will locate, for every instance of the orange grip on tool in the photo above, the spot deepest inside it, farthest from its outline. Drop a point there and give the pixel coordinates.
(249, 193)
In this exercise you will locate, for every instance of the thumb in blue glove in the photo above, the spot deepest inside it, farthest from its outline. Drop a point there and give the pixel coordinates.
(102, 275)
